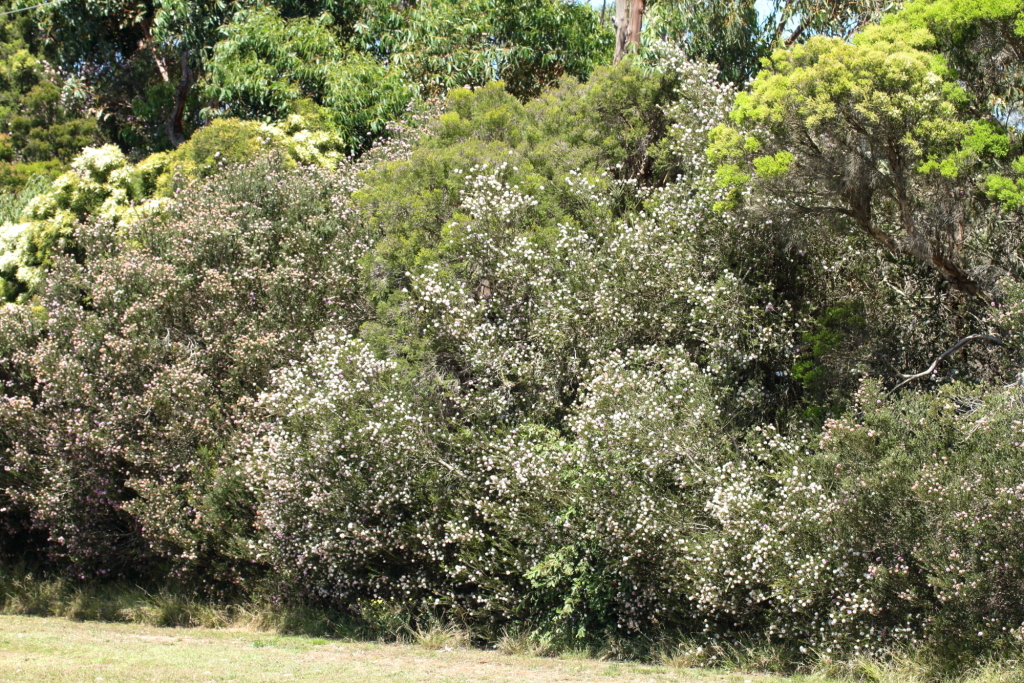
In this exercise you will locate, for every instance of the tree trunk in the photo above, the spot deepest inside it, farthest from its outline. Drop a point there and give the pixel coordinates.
(175, 123)
(621, 28)
(636, 23)
(146, 41)
(629, 18)
(161, 65)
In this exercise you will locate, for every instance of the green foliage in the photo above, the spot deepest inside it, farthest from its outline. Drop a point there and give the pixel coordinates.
(15, 176)
(840, 326)
(982, 44)
(826, 81)
(581, 594)
(223, 142)
(363, 96)
(902, 504)
(101, 183)
(605, 364)
(265, 64)
(36, 125)
(1007, 191)
(738, 34)
(186, 314)
(726, 32)
(364, 61)
(444, 45)
(880, 131)
(13, 203)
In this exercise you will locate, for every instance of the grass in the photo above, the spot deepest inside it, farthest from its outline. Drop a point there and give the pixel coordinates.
(57, 650)
(51, 631)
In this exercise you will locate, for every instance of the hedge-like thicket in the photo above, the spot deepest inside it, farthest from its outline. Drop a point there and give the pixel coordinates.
(515, 366)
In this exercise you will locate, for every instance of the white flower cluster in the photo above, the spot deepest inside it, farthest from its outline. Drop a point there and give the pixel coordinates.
(488, 197)
(345, 470)
(451, 489)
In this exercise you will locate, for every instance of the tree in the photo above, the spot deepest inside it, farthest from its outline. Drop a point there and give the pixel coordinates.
(141, 60)
(629, 17)
(39, 123)
(879, 132)
(528, 45)
(736, 36)
(266, 67)
(141, 63)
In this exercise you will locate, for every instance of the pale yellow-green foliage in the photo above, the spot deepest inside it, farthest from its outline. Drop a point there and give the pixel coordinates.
(104, 184)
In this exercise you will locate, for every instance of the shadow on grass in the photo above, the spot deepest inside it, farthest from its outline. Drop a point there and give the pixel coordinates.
(26, 594)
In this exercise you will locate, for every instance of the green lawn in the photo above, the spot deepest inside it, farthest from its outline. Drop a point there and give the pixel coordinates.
(38, 650)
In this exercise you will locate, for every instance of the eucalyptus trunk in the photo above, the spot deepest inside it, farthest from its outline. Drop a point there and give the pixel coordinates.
(175, 122)
(629, 16)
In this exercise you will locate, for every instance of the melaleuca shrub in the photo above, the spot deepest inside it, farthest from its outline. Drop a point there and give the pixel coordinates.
(899, 523)
(645, 432)
(509, 270)
(367, 492)
(536, 146)
(148, 354)
(579, 533)
(354, 480)
(512, 281)
(19, 330)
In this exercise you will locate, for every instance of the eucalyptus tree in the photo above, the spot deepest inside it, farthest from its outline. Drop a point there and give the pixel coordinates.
(453, 43)
(737, 34)
(901, 133)
(141, 60)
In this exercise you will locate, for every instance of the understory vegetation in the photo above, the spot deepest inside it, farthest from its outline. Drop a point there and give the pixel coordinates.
(642, 360)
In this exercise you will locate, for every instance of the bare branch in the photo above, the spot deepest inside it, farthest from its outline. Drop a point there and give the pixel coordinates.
(951, 350)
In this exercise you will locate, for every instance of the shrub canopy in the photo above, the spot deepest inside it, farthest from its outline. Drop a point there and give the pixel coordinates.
(618, 360)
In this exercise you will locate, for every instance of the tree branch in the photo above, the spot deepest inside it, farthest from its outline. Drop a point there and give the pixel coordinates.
(951, 350)
(795, 35)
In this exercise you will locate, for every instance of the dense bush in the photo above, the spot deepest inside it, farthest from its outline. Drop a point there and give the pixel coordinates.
(265, 65)
(38, 121)
(897, 523)
(44, 217)
(604, 442)
(529, 45)
(173, 324)
(541, 365)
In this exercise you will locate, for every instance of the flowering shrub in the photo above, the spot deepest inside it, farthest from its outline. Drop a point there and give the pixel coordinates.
(363, 494)
(351, 477)
(589, 372)
(558, 446)
(102, 183)
(625, 497)
(898, 522)
(521, 368)
(120, 437)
